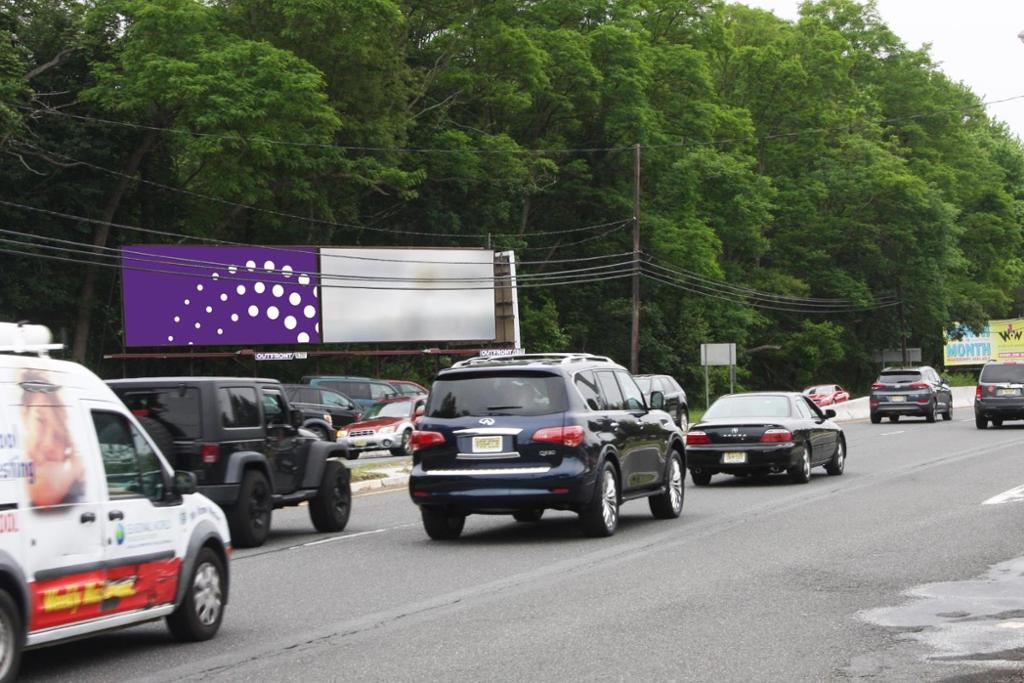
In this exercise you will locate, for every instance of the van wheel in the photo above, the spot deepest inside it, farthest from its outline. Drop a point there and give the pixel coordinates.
(12, 638)
(160, 435)
(199, 615)
(601, 517)
(669, 505)
(330, 509)
(249, 518)
(440, 524)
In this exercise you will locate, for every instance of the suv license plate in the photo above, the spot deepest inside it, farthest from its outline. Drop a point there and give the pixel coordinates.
(1007, 392)
(358, 442)
(486, 444)
(733, 458)
(897, 399)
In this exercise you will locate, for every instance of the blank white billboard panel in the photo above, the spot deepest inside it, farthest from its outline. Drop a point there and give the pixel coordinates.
(407, 295)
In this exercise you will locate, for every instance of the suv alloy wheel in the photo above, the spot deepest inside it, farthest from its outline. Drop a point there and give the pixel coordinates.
(601, 517)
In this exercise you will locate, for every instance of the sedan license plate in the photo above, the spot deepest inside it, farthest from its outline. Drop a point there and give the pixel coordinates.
(486, 444)
(734, 458)
(1007, 392)
(897, 399)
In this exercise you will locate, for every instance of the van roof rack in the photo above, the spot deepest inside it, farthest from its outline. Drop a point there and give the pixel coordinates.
(554, 358)
(21, 337)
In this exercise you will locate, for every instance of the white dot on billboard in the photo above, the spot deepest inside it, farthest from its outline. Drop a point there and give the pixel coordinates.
(250, 265)
(303, 337)
(187, 302)
(254, 311)
(290, 322)
(309, 311)
(220, 330)
(209, 309)
(259, 287)
(198, 325)
(273, 313)
(177, 318)
(216, 276)
(190, 343)
(316, 291)
(286, 270)
(268, 266)
(240, 289)
(199, 288)
(295, 298)
(223, 297)
(317, 327)
(278, 291)
(232, 269)
(170, 338)
(234, 317)
(304, 279)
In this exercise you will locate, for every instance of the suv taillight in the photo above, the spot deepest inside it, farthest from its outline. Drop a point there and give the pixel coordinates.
(776, 436)
(421, 440)
(570, 436)
(210, 453)
(977, 393)
(877, 385)
(919, 385)
(697, 438)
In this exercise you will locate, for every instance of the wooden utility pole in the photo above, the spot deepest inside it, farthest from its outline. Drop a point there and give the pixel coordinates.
(634, 345)
(903, 331)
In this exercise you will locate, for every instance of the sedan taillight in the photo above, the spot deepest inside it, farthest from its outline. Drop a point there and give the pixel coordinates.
(697, 438)
(776, 436)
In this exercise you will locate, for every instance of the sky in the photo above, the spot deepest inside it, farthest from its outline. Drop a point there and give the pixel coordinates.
(973, 41)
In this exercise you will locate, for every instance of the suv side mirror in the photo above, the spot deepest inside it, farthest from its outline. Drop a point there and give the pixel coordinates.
(295, 417)
(185, 482)
(657, 400)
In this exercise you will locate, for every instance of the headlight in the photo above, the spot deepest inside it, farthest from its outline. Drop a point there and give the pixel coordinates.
(387, 430)
(342, 433)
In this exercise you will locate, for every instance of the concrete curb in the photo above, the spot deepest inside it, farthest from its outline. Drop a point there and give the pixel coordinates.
(396, 481)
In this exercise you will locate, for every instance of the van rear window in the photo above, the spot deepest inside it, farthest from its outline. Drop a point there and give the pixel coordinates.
(497, 394)
(1002, 372)
(176, 407)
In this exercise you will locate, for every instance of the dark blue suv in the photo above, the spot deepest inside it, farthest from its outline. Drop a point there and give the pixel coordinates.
(526, 433)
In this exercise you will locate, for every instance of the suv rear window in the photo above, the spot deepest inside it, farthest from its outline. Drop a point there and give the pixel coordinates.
(1002, 372)
(895, 376)
(176, 407)
(497, 394)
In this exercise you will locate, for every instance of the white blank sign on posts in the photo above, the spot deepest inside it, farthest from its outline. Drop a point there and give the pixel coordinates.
(718, 354)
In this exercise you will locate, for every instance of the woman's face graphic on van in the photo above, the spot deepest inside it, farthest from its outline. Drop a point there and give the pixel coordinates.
(58, 471)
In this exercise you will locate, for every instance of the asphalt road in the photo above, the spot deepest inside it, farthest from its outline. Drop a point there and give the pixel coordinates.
(759, 580)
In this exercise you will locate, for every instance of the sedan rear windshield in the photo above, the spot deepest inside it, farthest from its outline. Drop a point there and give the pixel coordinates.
(1002, 372)
(748, 406)
(177, 408)
(497, 394)
(899, 376)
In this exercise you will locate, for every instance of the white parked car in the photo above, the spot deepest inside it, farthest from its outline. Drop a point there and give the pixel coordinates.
(97, 532)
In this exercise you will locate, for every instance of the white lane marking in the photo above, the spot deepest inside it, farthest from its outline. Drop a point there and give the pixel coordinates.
(893, 433)
(337, 538)
(1014, 495)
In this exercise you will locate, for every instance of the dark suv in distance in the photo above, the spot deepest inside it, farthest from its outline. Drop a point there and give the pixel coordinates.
(522, 434)
(323, 411)
(242, 440)
(1000, 394)
(918, 391)
(675, 397)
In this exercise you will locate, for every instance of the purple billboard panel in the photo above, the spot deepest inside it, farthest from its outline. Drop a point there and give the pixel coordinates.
(196, 295)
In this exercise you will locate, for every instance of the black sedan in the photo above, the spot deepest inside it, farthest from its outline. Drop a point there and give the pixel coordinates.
(764, 433)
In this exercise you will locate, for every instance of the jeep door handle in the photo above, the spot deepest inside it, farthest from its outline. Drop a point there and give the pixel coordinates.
(115, 514)
(87, 518)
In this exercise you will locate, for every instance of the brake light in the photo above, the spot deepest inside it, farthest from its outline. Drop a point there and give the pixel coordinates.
(697, 438)
(919, 385)
(977, 392)
(570, 436)
(421, 440)
(776, 436)
(210, 453)
(141, 412)
(877, 385)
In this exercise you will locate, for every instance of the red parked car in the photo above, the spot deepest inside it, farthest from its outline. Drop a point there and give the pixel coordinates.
(826, 394)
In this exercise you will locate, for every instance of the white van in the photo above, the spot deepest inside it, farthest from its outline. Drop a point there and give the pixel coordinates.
(96, 530)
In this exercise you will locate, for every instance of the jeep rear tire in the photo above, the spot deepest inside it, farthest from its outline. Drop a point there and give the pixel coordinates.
(199, 615)
(161, 436)
(12, 638)
(249, 518)
(330, 509)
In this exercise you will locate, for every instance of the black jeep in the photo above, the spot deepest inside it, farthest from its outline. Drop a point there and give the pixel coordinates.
(242, 440)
